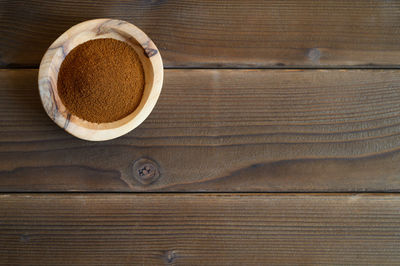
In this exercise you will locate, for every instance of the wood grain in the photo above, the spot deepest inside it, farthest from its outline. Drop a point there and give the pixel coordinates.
(218, 130)
(256, 33)
(199, 229)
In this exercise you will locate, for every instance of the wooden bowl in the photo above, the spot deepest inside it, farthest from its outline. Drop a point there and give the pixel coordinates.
(96, 29)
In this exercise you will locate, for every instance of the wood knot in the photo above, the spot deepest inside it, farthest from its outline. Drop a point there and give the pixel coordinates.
(24, 238)
(170, 256)
(145, 171)
(314, 54)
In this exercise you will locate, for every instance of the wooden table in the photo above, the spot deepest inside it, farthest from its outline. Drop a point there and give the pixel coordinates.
(276, 139)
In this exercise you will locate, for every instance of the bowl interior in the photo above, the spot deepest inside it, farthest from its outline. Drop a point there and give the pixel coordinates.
(90, 30)
(107, 30)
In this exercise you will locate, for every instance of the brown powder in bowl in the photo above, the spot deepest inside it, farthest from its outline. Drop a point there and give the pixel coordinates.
(101, 80)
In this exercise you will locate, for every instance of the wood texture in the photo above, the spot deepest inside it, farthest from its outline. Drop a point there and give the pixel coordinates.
(199, 229)
(306, 33)
(99, 29)
(218, 130)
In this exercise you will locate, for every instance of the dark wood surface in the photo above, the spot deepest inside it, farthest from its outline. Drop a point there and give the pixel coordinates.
(306, 33)
(325, 129)
(199, 229)
(219, 130)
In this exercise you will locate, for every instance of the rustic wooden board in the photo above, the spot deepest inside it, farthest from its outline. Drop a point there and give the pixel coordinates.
(220, 33)
(184, 229)
(218, 130)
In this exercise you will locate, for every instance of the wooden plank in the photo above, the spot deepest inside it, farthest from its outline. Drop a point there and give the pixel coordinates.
(213, 33)
(218, 130)
(193, 229)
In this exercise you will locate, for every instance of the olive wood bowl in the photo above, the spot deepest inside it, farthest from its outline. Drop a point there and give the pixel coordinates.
(97, 29)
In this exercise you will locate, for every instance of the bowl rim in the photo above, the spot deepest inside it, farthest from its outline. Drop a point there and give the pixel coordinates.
(60, 48)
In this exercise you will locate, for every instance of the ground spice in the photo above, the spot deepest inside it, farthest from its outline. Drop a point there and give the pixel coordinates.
(101, 80)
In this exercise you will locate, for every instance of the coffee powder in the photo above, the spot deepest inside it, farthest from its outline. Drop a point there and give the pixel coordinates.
(101, 80)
